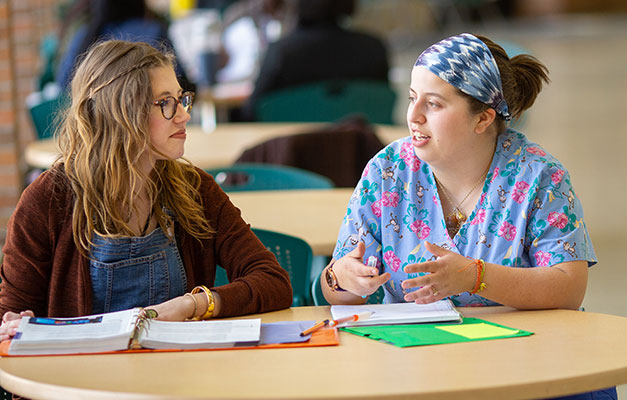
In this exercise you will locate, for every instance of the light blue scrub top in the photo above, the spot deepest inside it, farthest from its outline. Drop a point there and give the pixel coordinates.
(527, 215)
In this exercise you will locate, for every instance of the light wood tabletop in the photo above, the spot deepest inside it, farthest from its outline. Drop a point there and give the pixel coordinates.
(570, 352)
(218, 148)
(214, 102)
(312, 215)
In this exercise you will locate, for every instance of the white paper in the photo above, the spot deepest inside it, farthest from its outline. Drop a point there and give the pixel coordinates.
(200, 334)
(399, 313)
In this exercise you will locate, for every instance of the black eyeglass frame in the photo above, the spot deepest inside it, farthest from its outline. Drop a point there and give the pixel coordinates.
(162, 102)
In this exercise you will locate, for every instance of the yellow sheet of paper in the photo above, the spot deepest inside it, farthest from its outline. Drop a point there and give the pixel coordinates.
(478, 331)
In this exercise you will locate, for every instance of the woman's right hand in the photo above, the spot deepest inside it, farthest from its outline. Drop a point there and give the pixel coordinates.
(10, 322)
(356, 277)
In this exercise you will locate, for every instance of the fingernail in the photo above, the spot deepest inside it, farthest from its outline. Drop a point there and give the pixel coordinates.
(373, 271)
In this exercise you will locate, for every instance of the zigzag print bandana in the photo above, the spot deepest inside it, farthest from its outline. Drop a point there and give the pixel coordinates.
(465, 62)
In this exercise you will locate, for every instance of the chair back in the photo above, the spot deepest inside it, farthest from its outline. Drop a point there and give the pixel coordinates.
(251, 176)
(338, 151)
(329, 101)
(44, 113)
(319, 300)
(293, 254)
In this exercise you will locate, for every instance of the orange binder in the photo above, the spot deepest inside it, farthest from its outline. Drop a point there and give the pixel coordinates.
(322, 337)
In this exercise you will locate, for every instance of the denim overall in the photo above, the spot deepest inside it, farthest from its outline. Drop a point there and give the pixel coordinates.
(135, 271)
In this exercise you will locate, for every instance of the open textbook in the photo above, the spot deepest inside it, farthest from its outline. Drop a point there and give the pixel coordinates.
(127, 329)
(399, 313)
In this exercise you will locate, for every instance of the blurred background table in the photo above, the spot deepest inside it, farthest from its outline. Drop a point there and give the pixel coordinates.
(218, 148)
(312, 215)
(216, 101)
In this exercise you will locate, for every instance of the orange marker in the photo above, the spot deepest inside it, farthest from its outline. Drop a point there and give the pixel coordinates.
(354, 317)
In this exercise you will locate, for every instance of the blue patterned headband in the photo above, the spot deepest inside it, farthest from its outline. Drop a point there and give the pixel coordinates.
(465, 62)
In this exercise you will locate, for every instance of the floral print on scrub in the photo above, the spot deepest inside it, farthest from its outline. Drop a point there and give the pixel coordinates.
(527, 215)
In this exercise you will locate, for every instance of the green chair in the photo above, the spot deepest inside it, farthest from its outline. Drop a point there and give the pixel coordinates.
(319, 300)
(249, 176)
(47, 54)
(329, 101)
(44, 113)
(293, 254)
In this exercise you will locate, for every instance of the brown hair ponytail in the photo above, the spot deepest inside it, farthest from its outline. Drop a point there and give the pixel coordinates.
(522, 78)
(529, 75)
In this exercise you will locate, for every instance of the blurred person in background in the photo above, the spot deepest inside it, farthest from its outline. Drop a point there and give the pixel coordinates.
(217, 44)
(111, 19)
(249, 26)
(319, 48)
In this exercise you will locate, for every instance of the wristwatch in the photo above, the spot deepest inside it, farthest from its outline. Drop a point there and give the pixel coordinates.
(332, 280)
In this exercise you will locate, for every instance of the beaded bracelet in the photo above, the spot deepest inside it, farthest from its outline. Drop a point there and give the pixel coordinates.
(195, 303)
(479, 284)
(210, 304)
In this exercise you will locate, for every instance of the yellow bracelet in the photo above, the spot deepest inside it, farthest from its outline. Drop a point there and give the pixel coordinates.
(195, 303)
(210, 303)
(479, 284)
(482, 285)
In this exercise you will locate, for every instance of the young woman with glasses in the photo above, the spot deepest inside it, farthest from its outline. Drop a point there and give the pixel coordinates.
(121, 221)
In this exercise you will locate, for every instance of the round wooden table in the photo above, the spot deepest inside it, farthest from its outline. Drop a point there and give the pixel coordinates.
(570, 352)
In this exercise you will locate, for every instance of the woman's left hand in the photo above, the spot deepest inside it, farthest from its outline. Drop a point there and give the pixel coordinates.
(446, 276)
(176, 309)
(10, 323)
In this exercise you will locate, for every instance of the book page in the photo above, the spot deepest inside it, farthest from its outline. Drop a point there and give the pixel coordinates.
(41, 329)
(163, 334)
(399, 313)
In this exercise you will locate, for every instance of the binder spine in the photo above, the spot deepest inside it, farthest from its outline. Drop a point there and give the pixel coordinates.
(142, 323)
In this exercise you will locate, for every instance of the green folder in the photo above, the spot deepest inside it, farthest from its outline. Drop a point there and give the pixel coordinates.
(470, 330)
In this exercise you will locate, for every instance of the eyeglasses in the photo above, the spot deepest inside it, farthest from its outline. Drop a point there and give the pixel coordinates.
(170, 104)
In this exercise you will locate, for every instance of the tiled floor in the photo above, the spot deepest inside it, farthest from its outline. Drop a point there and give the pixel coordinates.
(581, 117)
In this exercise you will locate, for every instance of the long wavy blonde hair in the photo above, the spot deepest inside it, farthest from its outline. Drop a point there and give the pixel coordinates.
(102, 137)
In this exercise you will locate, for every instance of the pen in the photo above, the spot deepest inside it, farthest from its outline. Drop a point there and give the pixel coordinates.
(315, 327)
(372, 262)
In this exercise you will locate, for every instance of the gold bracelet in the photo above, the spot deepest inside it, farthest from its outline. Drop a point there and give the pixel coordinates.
(195, 303)
(210, 304)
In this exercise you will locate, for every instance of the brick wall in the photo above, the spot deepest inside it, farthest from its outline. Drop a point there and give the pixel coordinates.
(23, 24)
